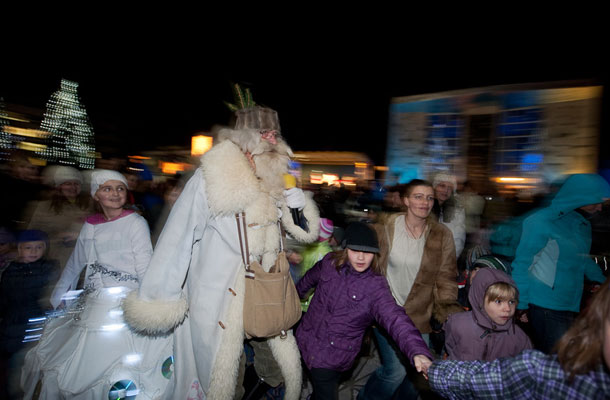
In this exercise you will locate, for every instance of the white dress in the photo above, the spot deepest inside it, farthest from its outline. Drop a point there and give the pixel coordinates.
(89, 352)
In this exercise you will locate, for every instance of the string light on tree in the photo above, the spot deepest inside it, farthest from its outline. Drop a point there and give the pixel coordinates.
(6, 141)
(71, 141)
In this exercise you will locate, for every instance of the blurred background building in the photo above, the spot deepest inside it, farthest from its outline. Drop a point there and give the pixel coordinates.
(504, 138)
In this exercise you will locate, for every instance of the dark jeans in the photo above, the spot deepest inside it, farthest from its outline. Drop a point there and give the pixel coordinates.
(390, 380)
(548, 326)
(325, 383)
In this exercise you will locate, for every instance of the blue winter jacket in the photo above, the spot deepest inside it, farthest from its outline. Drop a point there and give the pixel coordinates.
(552, 258)
(345, 303)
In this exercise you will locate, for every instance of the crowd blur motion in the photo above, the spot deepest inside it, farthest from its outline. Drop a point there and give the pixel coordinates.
(44, 208)
(483, 238)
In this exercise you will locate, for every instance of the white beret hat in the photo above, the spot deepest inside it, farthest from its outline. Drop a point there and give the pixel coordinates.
(101, 176)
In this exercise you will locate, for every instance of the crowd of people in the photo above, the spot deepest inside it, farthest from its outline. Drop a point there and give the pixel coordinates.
(111, 288)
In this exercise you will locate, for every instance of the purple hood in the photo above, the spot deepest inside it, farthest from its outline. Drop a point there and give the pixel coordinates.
(473, 335)
(484, 278)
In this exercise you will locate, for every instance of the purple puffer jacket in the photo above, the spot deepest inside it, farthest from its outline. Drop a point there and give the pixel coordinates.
(473, 335)
(345, 303)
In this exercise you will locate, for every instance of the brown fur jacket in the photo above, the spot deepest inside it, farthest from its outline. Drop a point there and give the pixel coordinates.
(434, 292)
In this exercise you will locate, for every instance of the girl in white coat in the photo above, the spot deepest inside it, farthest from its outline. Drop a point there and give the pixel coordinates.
(87, 352)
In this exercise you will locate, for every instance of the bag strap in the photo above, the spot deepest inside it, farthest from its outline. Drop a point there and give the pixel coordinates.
(243, 242)
(282, 234)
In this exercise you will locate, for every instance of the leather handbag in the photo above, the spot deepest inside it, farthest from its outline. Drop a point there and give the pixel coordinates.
(271, 304)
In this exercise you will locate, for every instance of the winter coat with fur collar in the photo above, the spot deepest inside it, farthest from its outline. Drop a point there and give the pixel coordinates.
(434, 292)
(194, 285)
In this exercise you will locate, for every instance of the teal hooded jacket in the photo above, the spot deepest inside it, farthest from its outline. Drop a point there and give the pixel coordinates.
(552, 258)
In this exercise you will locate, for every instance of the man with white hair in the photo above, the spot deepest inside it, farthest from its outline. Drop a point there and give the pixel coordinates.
(194, 286)
(449, 212)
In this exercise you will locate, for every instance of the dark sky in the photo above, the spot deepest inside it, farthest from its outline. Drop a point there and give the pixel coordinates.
(328, 98)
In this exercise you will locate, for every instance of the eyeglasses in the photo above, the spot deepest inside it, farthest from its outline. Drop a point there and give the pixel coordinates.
(421, 197)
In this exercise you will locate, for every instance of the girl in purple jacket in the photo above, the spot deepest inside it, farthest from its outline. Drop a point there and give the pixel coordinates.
(351, 294)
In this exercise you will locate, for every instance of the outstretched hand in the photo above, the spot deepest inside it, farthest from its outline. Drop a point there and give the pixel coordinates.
(422, 363)
(522, 316)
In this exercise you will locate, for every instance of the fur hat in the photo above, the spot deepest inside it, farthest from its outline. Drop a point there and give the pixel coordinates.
(445, 177)
(63, 174)
(360, 237)
(101, 176)
(259, 118)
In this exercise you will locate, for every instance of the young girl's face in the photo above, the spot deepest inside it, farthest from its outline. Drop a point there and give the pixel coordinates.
(500, 311)
(360, 260)
(111, 194)
(31, 251)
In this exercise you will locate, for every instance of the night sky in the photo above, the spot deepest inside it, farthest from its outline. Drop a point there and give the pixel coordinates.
(328, 98)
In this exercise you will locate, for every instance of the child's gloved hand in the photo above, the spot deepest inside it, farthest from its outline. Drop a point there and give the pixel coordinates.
(295, 198)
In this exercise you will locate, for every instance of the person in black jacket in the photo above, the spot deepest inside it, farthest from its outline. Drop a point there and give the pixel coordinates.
(24, 298)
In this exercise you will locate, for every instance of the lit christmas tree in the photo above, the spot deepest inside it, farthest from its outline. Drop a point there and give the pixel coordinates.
(71, 141)
(6, 141)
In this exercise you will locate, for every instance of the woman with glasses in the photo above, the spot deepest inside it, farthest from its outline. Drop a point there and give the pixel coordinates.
(418, 256)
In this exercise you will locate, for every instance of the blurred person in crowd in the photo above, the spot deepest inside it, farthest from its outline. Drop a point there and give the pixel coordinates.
(487, 332)
(472, 268)
(552, 258)
(448, 210)
(172, 188)
(474, 208)
(8, 251)
(23, 182)
(418, 255)
(197, 264)
(140, 184)
(392, 200)
(351, 294)
(507, 227)
(314, 252)
(62, 216)
(577, 369)
(25, 289)
(82, 353)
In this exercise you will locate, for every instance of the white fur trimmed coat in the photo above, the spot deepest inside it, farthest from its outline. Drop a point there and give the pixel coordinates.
(196, 268)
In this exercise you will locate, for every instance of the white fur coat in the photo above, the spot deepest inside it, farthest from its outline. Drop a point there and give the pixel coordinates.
(194, 284)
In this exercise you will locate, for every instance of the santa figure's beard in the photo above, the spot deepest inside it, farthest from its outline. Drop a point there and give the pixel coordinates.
(270, 168)
(270, 160)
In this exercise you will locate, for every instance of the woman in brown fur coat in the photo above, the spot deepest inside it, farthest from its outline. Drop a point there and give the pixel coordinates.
(418, 255)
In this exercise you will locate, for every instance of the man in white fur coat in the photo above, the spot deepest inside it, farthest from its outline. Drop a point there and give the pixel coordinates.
(194, 285)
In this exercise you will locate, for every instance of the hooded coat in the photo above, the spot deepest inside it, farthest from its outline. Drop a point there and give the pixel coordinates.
(552, 258)
(194, 285)
(473, 335)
